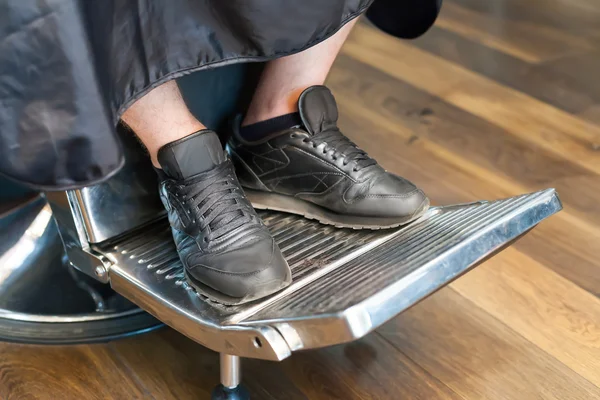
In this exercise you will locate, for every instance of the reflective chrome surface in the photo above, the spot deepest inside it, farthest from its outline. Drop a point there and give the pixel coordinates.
(345, 283)
(231, 371)
(29, 247)
(67, 215)
(42, 298)
(124, 202)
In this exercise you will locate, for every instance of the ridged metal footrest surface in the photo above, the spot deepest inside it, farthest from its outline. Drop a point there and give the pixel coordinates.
(345, 283)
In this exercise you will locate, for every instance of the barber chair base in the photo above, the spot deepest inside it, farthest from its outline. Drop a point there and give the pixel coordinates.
(345, 283)
(45, 300)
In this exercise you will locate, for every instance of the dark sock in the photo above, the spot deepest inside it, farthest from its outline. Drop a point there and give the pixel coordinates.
(262, 129)
(161, 174)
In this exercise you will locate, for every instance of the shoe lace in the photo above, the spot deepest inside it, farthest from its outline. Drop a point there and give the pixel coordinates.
(342, 146)
(217, 202)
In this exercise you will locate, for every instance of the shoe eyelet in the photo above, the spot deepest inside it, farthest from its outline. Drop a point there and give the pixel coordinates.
(354, 169)
(293, 135)
(205, 240)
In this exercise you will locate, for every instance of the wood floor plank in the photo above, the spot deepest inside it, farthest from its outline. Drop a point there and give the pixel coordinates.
(63, 372)
(591, 114)
(166, 372)
(367, 369)
(478, 356)
(521, 115)
(526, 40)
(451, 178)
(546, 84)
(578, 17)
(581, 69)
(543, 307)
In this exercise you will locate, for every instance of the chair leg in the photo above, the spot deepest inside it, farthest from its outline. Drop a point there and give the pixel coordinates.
(231, 375)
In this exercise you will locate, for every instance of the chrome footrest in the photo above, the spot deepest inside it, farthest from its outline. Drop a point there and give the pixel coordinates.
(345, 283)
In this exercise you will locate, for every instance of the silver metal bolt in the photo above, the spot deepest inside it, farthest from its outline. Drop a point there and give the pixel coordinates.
(100, 271)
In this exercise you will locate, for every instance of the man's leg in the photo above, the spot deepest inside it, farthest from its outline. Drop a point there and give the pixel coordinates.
(285, 78)
(227, 253)
(290, 155)
(161, 117)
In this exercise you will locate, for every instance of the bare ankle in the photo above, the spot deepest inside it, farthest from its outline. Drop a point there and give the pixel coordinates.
(267, 106)
(161, 117)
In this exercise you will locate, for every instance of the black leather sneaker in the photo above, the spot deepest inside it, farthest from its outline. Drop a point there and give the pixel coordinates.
(227, 251)
(315, 171)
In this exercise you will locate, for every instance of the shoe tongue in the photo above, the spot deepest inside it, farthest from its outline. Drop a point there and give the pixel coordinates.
(318, 109)
(192, 155)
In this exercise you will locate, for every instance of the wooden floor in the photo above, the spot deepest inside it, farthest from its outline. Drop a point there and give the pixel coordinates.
(498, 99)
